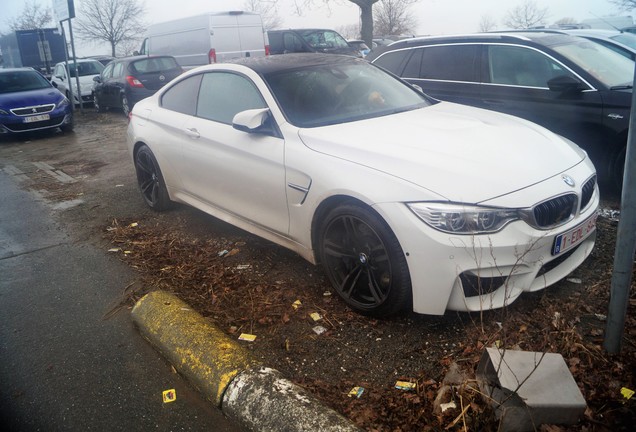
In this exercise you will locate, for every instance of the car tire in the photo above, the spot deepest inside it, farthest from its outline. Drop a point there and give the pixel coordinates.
(125, 105)
(150, 180)
(96, 104)
(364, 261)
(67, 128)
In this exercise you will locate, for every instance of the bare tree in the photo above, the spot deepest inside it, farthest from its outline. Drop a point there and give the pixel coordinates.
(349, 31)
(624, 4)
(393, 17)
(268, 9)
(527, 15)
(566, 21)
(111, 21)
(33, 16)
(487, 23)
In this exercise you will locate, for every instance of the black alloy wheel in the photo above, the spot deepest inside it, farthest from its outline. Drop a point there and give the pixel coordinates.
(364, 261)
(150, 180)
(125, 105)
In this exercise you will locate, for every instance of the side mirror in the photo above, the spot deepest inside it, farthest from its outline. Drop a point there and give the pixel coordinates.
(135, 52)
(54, 83)
(565, 84)
(97, 79)
(253, 121)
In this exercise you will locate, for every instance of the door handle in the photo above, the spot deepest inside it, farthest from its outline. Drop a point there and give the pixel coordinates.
(192, 133)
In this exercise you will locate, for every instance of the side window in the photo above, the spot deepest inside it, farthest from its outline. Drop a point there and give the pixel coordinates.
(107, 72)
(515, 65)
(292, 43)
(224, 94)
(451, 63)
(393, 61)
(413, 64)
(118, 70)
(182, 97)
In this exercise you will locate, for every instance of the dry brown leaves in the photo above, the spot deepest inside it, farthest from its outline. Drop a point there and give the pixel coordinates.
(244, 292)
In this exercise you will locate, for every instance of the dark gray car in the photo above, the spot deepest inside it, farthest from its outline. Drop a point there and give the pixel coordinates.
(126, 81)
(309, 40)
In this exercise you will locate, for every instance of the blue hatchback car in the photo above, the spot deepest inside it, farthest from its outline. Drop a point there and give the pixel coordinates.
(28, 102)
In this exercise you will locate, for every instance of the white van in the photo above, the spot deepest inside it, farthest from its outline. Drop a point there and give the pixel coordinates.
(207, 38)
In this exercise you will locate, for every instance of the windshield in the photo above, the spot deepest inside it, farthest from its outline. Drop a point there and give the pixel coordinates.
(604, 64)
(86, 68)
(324, 39)
(25, 80)
(329, 94)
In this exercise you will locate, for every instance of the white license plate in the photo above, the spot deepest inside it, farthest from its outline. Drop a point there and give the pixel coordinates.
(36, 118)
(576, 235)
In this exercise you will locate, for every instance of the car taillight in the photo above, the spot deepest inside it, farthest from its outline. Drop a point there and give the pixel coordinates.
(134, 82)
(266, 50)
(212, 56)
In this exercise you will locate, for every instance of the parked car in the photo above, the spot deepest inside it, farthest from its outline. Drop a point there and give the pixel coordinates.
(575, 87)
(126, 81)
(309, 40)
(207, 38)
(406, 201)
(88, 69)
(360, 45)
(29, 102)
(103, 59)
(622, 43)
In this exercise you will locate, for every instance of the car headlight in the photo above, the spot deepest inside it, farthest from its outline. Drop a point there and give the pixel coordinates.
(63, 103)
(463, 218)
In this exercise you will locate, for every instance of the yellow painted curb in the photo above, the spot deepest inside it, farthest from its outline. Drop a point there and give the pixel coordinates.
(199, 351)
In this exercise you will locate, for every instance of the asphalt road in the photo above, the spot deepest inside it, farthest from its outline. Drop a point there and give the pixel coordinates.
(63, 366)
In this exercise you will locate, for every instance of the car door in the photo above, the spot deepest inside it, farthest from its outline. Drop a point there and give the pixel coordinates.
(114, 85)
(241, 173)
(100, 86)
(516, 82)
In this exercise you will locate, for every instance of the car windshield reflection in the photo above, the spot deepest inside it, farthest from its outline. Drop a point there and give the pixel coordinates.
(323, 95)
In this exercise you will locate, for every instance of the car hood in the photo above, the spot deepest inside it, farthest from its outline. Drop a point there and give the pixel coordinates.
(462, 153)
(30, 98)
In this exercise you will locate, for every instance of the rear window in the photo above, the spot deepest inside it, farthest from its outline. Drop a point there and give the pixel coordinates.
(154, 64)
(18, 81)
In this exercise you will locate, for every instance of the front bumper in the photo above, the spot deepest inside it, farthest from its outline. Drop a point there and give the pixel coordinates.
(56, 120)
(481, 272)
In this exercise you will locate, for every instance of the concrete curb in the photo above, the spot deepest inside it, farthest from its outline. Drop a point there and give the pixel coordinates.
(257, 398)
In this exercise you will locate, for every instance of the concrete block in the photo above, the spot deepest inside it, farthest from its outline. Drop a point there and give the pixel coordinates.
(260, 399)
(529, 389)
